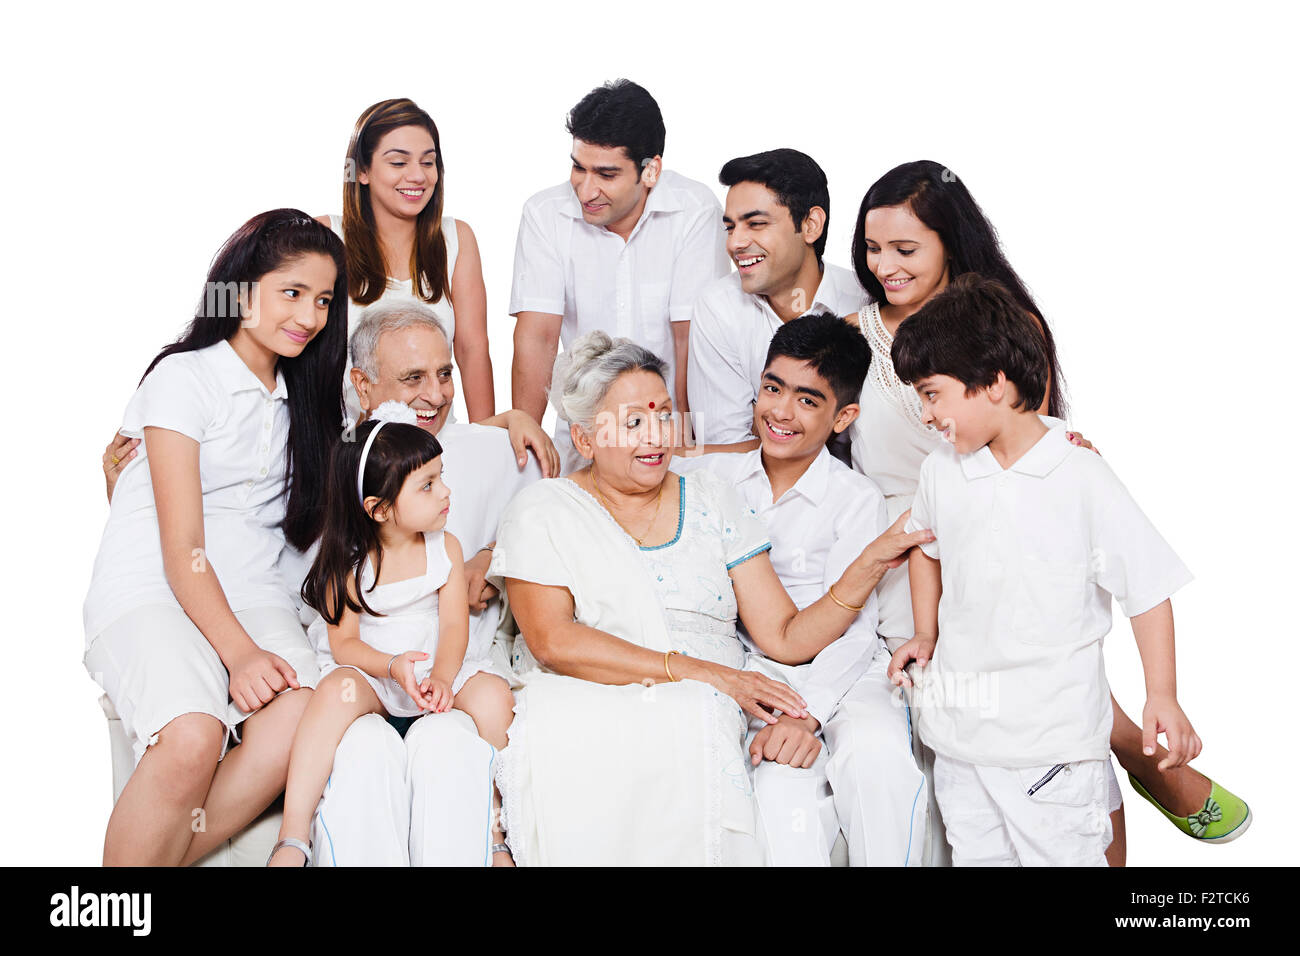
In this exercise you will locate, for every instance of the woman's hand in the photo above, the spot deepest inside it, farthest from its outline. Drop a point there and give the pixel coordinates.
(1162, 714)
(1076, 438)
(256, 676)
(437, 693)
(756, 694)
(919, 649)
(891, 548)
(401, 667)
(116, 454)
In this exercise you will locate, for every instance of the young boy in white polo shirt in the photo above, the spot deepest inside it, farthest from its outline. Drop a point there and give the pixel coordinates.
(820, 514)
(1033, 537)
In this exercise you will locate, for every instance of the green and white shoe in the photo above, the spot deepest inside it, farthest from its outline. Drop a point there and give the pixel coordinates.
(1224, 817)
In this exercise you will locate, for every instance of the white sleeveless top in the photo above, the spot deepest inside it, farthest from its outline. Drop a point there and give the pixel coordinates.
(396, 291)
(889, 440)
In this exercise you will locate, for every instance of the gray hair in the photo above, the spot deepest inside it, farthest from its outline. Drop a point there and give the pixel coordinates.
(584, 373)
(387, 317)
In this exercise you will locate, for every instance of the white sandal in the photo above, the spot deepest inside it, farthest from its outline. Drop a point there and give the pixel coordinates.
(303, 848)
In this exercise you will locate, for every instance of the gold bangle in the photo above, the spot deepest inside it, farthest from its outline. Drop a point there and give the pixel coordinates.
(668, 654)
(830, 592)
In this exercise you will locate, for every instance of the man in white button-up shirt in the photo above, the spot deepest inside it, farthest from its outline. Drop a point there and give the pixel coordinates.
(1033, 538)
(820, 514)
(625, 246)
(777, 212)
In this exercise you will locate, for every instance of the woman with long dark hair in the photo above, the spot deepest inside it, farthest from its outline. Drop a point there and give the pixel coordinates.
(400, 245)
(189, 628)
(919, 228)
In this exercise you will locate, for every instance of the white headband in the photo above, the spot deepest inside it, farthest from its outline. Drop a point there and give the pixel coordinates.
(387, 412)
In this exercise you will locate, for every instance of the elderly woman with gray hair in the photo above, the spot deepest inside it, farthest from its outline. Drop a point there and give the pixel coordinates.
(626, 581)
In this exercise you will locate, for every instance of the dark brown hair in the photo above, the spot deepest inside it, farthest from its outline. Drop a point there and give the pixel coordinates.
(367, 272)
(970, 331)
(350, 532)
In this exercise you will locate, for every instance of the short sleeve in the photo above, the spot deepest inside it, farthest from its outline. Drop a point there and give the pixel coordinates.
(722, 397)
(923, 511)
(743, 534)
(701, 259)
(538, 284)
(525, 549)
(1128, 557)
(175, 396)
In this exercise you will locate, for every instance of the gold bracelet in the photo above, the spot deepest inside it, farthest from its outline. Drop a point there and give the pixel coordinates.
(830, 592)
(668, 654)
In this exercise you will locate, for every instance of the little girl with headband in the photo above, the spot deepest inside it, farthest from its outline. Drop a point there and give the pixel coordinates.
(389, 583)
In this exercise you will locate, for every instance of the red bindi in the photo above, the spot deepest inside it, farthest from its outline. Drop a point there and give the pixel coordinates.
(652, 405)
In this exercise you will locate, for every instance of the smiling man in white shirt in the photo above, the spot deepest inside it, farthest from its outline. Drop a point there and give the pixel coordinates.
(777, 213)
(820, 514)
(625, 246)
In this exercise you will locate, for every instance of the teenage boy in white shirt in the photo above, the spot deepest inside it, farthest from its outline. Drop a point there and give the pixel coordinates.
(777, 213)
(1033, 537)
(819, 513)
(625, 246)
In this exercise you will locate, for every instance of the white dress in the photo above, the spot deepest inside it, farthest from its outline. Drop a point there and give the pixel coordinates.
(400, 290)
(409, 623)
(600, 774)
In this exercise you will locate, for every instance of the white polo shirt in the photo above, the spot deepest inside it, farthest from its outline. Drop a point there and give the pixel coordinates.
(730, 334)
(1031, 557)
(209, 395)
(817, 528)
(636, 289)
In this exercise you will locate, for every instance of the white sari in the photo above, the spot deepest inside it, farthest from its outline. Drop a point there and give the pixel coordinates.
(597, 774)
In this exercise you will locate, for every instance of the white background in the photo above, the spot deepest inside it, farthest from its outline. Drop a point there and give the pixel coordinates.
(1138, 161)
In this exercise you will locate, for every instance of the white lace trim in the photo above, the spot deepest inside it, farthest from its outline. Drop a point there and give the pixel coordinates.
(881, 376)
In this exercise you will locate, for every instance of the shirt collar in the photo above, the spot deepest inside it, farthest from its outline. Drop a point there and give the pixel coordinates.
(1038, 462)
(812, 484)
(235, 376)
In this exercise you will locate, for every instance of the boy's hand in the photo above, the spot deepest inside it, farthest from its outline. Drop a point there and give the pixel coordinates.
(919, 649)
(256, 676)
(1163, 715)
(437, 694)
(790, 741)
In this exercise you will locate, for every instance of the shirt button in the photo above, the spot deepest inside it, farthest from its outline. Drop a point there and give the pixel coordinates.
(262, 472)
(266, 427)
(248, 484)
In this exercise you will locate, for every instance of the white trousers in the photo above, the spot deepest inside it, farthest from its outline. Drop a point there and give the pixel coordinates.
(865, 782)
(993, 820)
(422, 800)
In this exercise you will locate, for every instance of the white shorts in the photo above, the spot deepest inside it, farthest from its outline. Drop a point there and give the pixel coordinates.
(155, 665)
(396, 701)
(992, 820)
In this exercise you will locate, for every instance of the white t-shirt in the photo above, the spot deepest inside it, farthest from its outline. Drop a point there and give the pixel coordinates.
(1031, 556)
(817, 528)
(400, 290)
(242, 429)
(634, 289)
(730, 334)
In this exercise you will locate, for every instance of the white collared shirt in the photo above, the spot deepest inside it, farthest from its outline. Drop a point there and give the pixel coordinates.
(211, 396)
(1031, 556)
(817, 528)
(635, 289)
(730, 334)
